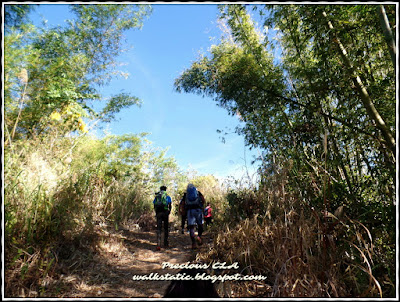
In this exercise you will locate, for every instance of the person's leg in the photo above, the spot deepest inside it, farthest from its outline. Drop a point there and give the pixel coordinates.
(159, 226)
(200, 230)
(166, 229)
(186, 222)
(183, 218)
(192, 234)
(191, 220)
(199, 220)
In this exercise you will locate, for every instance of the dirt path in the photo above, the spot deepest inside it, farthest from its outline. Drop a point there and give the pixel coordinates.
(123, 254)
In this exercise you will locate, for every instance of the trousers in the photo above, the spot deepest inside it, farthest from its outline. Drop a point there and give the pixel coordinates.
(162, 222)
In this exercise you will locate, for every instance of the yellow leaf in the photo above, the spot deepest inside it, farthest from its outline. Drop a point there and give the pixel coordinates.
(55, 116)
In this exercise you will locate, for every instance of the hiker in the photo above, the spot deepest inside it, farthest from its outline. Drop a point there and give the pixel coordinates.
(208, 215)
(183, 212)
(162, 206)
(194, 206)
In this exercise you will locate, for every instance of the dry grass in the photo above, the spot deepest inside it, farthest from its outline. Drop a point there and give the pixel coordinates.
(68, 268)
(48, 205)
(302, 253)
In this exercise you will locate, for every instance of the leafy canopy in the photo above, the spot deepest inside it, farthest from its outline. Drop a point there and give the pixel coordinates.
(58, 71)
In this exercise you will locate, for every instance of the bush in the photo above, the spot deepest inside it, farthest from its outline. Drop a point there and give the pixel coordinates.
(57, 189)
(303, 252)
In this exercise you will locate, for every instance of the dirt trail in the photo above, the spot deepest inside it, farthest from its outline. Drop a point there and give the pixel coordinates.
(126, 253)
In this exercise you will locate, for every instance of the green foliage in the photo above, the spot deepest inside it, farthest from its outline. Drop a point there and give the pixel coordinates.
(116, 104)
(16, 15)
(59, 190)
(322, 113)
(97, 32)
(63, 187)
(51, 70)
(243, 204)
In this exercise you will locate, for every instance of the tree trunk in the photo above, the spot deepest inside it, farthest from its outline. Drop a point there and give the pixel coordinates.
(363, 93)
(387, 32)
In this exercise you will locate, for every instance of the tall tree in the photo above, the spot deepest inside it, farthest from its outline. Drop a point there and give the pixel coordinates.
(63, 68)
(311, 109)
(323, 113)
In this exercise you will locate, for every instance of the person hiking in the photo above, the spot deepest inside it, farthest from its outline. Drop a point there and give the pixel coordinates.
(162, 206)
(194, 204)
(208, 215)
(182, 211)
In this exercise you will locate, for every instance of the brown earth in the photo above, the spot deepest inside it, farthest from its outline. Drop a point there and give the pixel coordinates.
(103, 263)
(119, 255)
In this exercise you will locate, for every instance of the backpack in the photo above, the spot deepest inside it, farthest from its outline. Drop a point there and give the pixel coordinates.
(182, 206)
(160, 203)
(192, 198)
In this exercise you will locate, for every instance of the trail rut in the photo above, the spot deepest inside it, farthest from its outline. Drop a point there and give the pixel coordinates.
(122, 254)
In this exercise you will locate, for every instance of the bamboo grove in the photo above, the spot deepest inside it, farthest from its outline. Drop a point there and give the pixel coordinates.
(315, 88)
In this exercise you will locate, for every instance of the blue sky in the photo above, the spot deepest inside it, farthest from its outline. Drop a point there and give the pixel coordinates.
(171, 39)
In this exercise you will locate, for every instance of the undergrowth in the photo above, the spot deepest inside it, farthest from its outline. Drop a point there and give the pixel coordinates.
(53, 198)
(301, 251)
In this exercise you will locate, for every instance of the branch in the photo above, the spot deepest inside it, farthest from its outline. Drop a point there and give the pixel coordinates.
(362, 91)
(20, 110)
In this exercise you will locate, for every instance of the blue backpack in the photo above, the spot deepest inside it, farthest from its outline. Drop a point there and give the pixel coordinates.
(192, 198)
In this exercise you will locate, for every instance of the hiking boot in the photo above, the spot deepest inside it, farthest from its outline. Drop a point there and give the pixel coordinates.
(158, 248)
(199, 241)
(183, 231)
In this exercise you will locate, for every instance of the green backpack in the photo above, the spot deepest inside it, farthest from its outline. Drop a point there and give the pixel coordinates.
(160, 204)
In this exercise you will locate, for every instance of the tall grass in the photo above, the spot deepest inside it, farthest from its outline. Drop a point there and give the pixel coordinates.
(48, 202)
(302, 251)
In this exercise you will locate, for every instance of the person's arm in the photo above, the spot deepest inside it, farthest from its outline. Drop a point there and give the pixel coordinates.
(169, 202)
